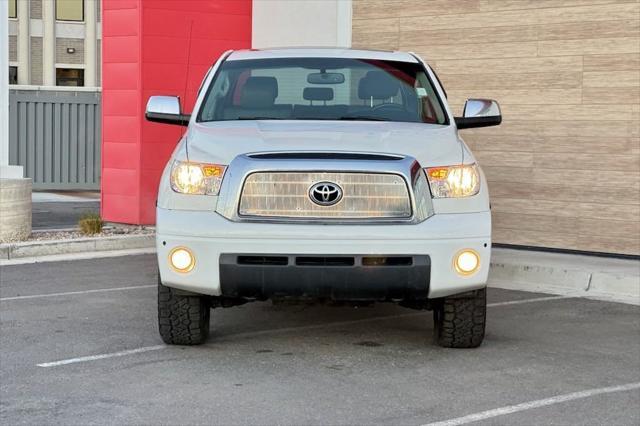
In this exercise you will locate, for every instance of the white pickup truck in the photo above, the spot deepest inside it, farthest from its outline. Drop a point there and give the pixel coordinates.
(332, 175)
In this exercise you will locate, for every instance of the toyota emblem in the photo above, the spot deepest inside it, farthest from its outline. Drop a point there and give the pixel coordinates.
(325, 193)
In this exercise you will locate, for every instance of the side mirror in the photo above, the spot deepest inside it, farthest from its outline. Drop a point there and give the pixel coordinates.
(166, 109)
(479, 113)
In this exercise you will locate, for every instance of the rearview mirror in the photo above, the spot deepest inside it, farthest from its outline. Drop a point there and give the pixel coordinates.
(479, 113)
(325, 78)
(166, 109)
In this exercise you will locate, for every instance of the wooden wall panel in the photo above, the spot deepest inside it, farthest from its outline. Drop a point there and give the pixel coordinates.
(564, 168)
(626, 62)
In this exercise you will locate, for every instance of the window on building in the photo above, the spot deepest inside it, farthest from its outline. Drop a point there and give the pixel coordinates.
(13, 6)
(70, 10)
(69, 77)
(13, 75)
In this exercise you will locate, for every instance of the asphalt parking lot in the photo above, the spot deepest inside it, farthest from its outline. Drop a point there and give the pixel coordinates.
(59, 215)
(79, 345)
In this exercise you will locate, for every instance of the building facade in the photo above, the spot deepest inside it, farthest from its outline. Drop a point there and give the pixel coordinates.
(54, 42)
(564, 167)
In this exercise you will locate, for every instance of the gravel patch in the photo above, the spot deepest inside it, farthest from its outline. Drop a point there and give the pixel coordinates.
(107, 231)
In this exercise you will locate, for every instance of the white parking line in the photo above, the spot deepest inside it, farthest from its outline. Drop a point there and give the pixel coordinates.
(271, 331)
(510, 409)
(518, 302)
(71, 293)
(101, 356)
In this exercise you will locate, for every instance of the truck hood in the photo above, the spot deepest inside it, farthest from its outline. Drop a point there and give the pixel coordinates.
(220, 142)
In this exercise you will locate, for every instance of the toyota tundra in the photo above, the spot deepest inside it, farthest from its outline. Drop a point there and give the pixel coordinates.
(324, 175)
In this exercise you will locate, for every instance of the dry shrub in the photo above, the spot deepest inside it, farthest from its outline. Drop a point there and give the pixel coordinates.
(90, 224)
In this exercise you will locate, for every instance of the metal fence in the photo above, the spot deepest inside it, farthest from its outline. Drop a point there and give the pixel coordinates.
(55, 136)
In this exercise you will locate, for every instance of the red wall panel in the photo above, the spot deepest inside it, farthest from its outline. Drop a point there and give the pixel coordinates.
(145, 48)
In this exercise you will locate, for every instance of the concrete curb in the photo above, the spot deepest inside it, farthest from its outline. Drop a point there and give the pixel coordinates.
(36, 249)
(566, 274)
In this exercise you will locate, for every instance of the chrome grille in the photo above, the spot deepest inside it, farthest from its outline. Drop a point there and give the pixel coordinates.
(286, 195)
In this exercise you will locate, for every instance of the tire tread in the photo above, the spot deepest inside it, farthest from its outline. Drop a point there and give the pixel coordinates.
(182, 320)
(460, 320)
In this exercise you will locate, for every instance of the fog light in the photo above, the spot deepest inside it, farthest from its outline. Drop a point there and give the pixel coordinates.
(181, 259)
(466, 262)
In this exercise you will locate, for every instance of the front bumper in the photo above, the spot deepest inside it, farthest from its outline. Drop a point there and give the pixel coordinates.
(210, 236)
(334, 277)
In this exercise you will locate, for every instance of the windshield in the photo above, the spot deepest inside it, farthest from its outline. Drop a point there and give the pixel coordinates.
(322, 89)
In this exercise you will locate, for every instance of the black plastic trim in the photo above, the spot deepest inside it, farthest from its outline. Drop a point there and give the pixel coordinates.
(263, 260)
(324, 261)
(333, 277)
(567, 251)
(176, 119)
(324, 156)
(473, 122)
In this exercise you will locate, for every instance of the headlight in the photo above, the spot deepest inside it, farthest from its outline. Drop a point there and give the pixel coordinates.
(454, 181)
(196, 178)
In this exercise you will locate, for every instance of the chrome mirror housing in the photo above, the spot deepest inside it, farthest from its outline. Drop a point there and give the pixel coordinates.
(481, 108)
(166, 109)
(479, 113)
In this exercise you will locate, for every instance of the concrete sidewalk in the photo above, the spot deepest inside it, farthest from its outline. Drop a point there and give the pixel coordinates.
(566, 274)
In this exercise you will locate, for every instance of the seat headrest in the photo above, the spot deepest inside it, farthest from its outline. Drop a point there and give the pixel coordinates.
(259, 92)
(378, 85)
(317, 93)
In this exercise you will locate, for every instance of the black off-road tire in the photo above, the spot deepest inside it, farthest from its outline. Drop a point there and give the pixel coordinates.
(460, 319)
(182, 319)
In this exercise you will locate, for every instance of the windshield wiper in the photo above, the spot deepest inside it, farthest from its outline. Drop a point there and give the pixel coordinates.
(346, 118)
(361, 118)
(259, 118)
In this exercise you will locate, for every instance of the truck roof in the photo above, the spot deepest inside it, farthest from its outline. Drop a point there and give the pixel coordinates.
(320, 52)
